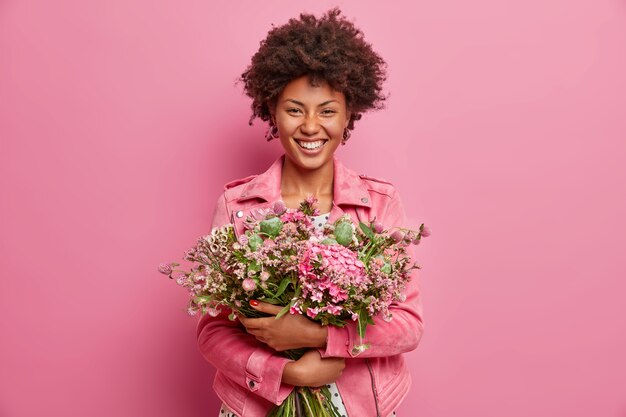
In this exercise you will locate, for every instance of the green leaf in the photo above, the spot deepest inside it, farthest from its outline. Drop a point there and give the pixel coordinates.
(270, 301)
(254, 266)
(267, 292)
(366, 229)
(284, 311)
(362, 322)
(283, 286)
(202, 299)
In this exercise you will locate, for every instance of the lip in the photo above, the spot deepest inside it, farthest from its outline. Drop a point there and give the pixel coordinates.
(309, 140)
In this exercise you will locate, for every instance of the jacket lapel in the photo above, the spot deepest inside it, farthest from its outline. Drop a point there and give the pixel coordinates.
(349, 192)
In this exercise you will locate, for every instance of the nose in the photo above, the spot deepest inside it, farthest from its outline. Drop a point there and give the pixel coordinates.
(310, 125)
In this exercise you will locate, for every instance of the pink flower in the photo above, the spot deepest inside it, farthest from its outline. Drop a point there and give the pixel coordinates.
(165, 269)
(261, 213)
(290, 229)
(397, 236)
(425, 231)
(295, 309)
(317, 296)
(265, 276)
(312, 312)
(243, 239)
(334, 290)
(286, 216)
(312, 200)
(248, 284)
(279, 207)
(334, 310)
(378, 227)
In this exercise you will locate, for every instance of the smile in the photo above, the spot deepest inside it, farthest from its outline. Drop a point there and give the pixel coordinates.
(311, 145)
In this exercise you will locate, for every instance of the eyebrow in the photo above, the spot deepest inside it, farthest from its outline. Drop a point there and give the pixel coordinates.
(302, 104)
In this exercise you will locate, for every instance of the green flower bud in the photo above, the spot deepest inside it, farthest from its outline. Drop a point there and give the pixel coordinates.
(271, 226)
(343, 233)
(329, 241)
(254, 266)
(255, 242)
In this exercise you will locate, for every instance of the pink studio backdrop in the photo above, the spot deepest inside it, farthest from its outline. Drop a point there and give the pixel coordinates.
(504, 132)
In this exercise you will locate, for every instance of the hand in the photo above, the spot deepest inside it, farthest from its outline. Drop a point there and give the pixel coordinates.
(291, 331)
(313, 371)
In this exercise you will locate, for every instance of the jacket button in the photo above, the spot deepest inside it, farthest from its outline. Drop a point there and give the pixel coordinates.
(239, 214)
(364, 199)
(251, 384)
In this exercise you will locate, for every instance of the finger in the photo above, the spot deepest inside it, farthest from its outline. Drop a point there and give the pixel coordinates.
(252, 323)
(265, 307)
(254, 332)
(246, 322)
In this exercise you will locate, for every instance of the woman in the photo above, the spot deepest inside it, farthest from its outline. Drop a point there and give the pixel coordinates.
(311, 79)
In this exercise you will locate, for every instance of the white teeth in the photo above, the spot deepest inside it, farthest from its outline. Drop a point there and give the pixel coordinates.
(311, 145)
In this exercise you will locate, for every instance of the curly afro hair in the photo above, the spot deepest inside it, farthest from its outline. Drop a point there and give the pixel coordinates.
(329, 48)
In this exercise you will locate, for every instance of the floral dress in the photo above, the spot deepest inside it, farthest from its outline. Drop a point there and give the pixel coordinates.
(319, 222)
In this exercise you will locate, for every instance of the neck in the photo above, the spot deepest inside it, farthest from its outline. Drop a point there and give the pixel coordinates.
(296, 181)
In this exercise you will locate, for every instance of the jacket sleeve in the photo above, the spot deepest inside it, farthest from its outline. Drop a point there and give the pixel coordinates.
(237, 354)
(404, 331)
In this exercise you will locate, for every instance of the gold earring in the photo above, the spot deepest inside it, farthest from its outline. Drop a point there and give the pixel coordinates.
(272, 132)
(346, 136)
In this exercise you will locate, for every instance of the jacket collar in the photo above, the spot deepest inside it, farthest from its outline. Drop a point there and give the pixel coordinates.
(348, 187)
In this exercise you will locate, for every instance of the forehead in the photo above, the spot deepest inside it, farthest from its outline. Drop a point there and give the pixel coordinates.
(305, 90)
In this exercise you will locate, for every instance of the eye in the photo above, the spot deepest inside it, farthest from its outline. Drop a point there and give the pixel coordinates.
(293, 110)
(328, 112)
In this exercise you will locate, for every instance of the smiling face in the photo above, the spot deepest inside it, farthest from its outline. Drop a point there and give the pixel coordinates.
(310, 121)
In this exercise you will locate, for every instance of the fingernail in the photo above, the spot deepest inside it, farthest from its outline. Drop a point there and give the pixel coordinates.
(254, 303)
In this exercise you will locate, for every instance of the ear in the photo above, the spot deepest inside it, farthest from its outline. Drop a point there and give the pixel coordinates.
(348, 116)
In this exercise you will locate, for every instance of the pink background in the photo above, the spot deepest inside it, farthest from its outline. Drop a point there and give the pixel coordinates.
(504, 132)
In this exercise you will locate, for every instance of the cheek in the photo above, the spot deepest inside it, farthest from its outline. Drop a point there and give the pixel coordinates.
(335, 127)
(287, 125)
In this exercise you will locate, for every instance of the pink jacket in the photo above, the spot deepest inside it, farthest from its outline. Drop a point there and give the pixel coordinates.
(375, 381)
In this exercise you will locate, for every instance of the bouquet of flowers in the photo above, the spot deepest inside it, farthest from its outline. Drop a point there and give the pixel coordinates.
(343, 273)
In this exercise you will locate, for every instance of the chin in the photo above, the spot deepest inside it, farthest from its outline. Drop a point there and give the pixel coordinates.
(306, 162)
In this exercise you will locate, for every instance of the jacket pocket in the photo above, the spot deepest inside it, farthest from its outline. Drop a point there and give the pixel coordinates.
(390, 370)
(231, 393)
(394, 386)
